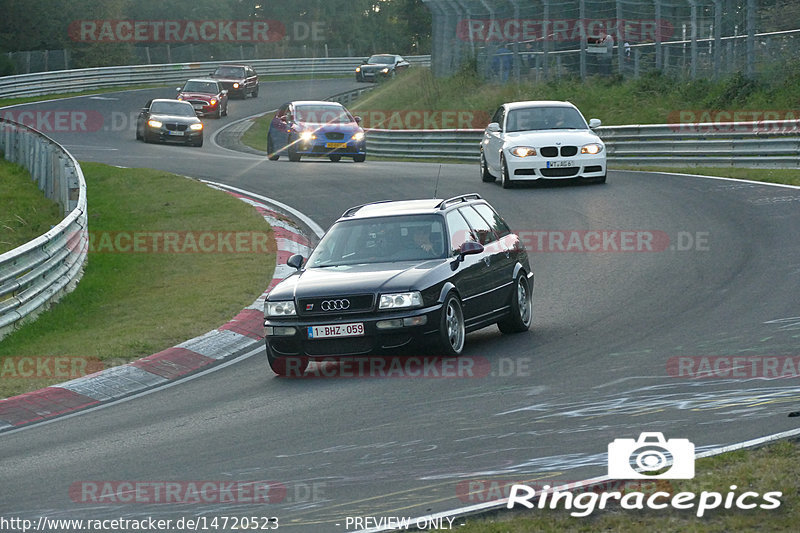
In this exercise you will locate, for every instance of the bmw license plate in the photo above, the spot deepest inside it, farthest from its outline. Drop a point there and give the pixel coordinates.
(336, 330)
(175, 132)
(336, 145)
(560, 164)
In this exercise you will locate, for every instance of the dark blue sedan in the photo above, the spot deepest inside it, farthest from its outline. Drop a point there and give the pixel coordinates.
(315, 128)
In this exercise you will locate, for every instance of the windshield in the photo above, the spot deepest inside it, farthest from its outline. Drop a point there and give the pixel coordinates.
(544, 118)
(201, 87)
(229, 72)
(381, 60)
(178, 109)
(378, 240)
(323, 114)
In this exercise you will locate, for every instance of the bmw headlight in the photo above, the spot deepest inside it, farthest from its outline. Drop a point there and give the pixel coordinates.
(154, 123)
(196, 127)
(523, 151)
(358, 136)
(280, 308)
(400, 300)
(593, 148)
(307, 135)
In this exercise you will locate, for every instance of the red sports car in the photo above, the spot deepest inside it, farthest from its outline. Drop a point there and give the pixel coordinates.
(208, 97)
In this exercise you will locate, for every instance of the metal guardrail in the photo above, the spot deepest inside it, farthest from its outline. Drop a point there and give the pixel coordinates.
(38, 273)
(63, 81)
(767, 144)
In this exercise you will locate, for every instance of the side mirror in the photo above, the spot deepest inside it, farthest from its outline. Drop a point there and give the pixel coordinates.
(469, 248)
(594, 123)
(357, 119)
(179, 89)
(493, 127)
(295, 261)
(224, 91)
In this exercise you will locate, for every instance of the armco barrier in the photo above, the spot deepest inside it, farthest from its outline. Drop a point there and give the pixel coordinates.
(64, 81)
(768, 144)
(38, 273)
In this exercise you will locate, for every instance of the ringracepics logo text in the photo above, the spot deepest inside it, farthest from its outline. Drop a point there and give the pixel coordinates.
(650, 456)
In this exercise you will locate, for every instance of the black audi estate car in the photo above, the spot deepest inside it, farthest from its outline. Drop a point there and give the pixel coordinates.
(390, 274)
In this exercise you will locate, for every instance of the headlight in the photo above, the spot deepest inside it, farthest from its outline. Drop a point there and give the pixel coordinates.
(212, 102)
(400, 300)
(593, 148)
(523, 151)
(154, 123)
(358, 69)
(307, 135)
(196, 127)
(280, 308)
(235, 85)
(358, 136)
(386, 70)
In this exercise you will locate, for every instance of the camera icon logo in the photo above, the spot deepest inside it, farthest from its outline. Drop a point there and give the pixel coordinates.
(642, 458)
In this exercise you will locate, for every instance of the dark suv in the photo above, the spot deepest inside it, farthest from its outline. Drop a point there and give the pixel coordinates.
(388, 274)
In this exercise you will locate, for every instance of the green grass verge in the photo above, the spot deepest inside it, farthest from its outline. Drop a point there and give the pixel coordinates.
(773, 468)
(771, 175)
(25, 212)
(256, 135)
(130, 305)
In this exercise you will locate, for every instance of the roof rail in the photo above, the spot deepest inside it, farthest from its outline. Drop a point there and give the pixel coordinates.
(460, 198)
(352, 211)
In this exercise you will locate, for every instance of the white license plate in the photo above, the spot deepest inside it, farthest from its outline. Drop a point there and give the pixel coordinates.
(198, 106)
(336, 331)
(560, 164)
(336, 145)
(175, 133)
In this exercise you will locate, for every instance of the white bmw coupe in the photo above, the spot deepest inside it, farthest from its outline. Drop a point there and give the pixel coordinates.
(541, 140)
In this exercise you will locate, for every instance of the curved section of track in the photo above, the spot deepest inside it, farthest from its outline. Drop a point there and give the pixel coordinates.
(718, 279)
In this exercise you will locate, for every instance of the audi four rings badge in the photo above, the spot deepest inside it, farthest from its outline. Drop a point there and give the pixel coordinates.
(335, 305)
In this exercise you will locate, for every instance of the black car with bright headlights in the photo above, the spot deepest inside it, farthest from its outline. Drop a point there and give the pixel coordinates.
(388, 275)
(163, 120)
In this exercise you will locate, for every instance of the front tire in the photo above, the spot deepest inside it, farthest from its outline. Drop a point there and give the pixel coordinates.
(504, 178)
(294, 157)
(521, 308)
(485, 175)
(287, 366)
(360, 158)
(451, 327)
(335, 158)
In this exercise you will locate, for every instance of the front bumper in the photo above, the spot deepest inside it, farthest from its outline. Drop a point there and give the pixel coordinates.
(375, 339)
(322, 147)
(537, 167)
(166, 134)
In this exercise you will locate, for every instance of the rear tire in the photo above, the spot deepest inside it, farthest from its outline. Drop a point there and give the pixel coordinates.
(451, 327)
(521, 308)
(485, 175)
(271, 155)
